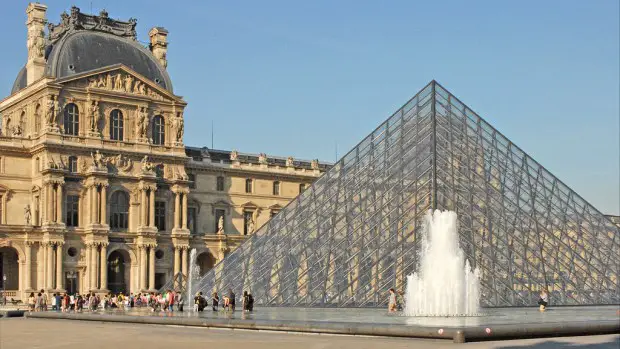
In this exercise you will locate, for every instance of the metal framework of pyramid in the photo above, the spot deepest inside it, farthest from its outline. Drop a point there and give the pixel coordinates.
(355, 232)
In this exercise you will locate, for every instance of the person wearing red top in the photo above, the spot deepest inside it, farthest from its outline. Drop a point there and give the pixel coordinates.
(171, 296)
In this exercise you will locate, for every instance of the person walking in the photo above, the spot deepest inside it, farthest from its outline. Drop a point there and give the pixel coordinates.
(392, 304)
(232, 300)
(31, 302)
(44, 301)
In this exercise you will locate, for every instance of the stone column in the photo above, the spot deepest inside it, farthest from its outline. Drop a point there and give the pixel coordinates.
(59, 203)
(184, 211)
(184, 261)
(143, 204)
(177, 203)
(93, 266)
(59, 276)
(104, 204)
(49, 282)
(49, 214)
(28, 272)
(142, 267)
(104, 267)
(97, 207)
(152, 208)
(152, 268)
(177, 260)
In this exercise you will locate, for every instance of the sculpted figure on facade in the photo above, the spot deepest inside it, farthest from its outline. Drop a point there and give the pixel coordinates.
(147, 166)
(128, 83)
(141, 122)
(314, 164)
(99, 161)
(27, 214)
(234, 155)
(220, 226)
(118, 82)
(108, 82)
(94, 112)
(36, 44)
(179, 127)
(289, 161)
(262, 158)
(122, 163)
(53, 108)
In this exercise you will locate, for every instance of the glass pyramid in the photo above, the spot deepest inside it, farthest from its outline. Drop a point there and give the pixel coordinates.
(355, 232)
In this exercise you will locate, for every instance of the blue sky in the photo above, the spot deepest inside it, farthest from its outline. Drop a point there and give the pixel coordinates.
(301, 78)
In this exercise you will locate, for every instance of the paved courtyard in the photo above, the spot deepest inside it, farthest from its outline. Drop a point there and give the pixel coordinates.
(38, 333)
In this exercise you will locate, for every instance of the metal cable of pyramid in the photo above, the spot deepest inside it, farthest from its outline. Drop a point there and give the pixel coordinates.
(356, 231)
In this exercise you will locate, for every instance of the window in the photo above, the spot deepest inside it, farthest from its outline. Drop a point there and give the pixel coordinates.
(302, 187)
(276, 188)
(220, 183)
(159, 133)
(119, 210)
(116, 125)
(248, 185)
(160, 215)
(71, 119)
(72, 204)
(248, 224)
(73, 166)
(219, 213)
(37, 119)
(159, 171)
(191, 220)
(191, 178)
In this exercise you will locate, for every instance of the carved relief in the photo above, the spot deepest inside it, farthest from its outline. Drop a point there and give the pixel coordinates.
(290, 161)
(36, 43)
(314, 164)
(77, 20)
(120, 82)
(53, 109)
(94, 116)
(179, 127)
(99, 161)
(122, 163)
(147, 165)
(234, 155)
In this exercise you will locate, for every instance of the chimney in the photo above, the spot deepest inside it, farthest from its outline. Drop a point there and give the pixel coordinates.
(159, 44)
(36, 42)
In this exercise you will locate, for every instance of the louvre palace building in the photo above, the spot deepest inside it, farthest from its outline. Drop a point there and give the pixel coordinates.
(98, 191)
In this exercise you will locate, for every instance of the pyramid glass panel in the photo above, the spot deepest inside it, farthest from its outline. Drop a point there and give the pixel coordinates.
(355, 232)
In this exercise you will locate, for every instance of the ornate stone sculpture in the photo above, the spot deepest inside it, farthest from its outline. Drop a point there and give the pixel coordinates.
(262, 158)
(147, 166)
(179, 127)
(314, 164)
(99, 161)
(36, 44)
(118, 82)
(128, 83)
(141, 122)
(289, 161)
(234, 155)
(108, 82)
(122, 163)
(94, 115)
(220, 226)
(53, 108)
(27, 214)
(251, 226)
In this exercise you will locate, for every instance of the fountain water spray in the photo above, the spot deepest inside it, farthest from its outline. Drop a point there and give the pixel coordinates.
(191, 275)
(444, 284)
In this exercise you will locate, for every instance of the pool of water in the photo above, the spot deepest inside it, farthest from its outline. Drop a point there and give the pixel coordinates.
(489, 316)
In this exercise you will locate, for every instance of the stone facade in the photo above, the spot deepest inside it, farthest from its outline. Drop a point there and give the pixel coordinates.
(98, 191)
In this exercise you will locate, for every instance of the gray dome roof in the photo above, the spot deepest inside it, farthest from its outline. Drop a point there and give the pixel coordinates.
(84, 50)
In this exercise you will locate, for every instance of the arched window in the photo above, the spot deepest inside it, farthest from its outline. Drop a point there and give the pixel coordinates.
(116, 125)
(119, 210)
(72, 119)
(73, 168)
(37, 119)
(159, 132)
(276, 188)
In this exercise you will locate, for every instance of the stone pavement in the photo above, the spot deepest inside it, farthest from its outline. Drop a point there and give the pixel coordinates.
(67, 334)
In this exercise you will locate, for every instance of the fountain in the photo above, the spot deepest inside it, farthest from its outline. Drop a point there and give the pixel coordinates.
(192, 272)
(444, 284)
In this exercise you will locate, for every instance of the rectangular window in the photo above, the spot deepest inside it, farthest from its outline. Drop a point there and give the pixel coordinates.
(191, 220)
(219, 213)
(247, 221)
(192, 180)
(220, 183)
(248, 185)
(72, 206)
(160, 215)
(302, 187)
(276, 188)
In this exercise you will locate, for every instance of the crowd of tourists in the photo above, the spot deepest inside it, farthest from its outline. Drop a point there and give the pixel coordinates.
(165, 301)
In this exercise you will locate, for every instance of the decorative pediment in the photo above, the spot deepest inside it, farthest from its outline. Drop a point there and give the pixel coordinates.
(119, 79)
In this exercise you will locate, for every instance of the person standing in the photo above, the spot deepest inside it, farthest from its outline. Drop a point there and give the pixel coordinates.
(44, 301)
(245, 301)
(392, 305)
(544, 300)
(31, 302)
(232, 300)
(215, 300)
(171, 300)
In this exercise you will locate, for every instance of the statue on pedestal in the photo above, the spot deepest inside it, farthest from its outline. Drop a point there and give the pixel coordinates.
(220, 225)
(27, 214)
